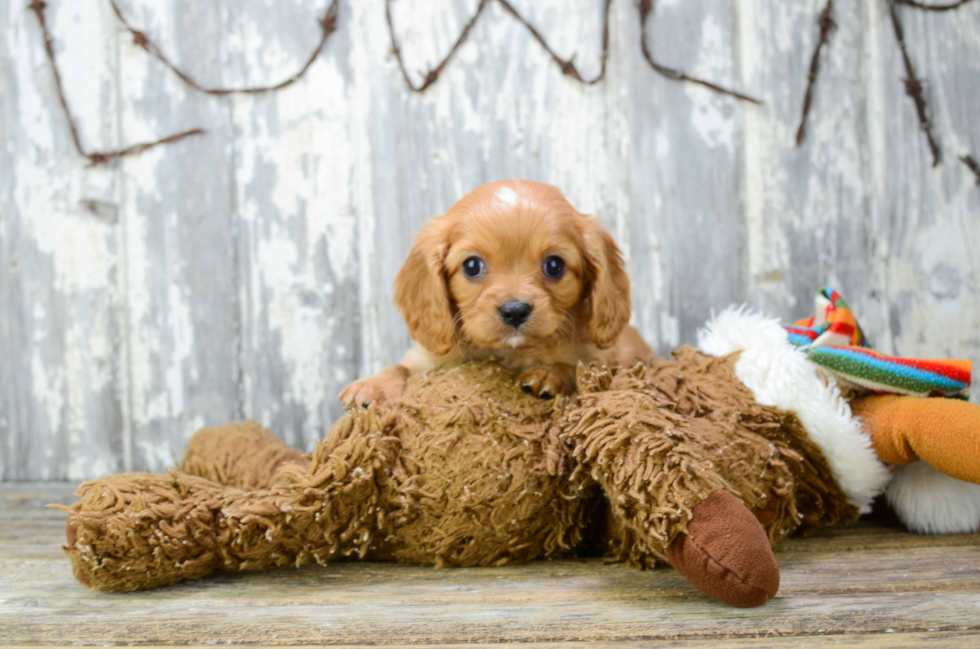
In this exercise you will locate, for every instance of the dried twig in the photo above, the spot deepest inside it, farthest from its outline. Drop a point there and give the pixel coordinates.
(972, 166)
(432, 75)
(102, 157)
(928, 7)
(827, 24)
(567, 66)
(95, 157)
(328, 24)
(913, 87)
(646, 10)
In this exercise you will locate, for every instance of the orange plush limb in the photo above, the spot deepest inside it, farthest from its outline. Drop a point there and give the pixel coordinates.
(945, 433)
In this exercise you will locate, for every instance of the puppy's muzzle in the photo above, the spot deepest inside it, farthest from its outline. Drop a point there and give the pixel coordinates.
(514, 313)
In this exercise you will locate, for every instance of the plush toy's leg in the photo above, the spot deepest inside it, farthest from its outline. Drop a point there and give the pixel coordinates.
(134, 531)
(945, 433)
(243, 455)
(726, 553)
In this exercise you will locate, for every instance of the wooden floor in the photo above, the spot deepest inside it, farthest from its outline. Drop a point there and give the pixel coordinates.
(867, 586)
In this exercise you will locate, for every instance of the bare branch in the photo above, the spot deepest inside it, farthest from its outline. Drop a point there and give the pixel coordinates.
(827, 24)
(94, 157)
(645, 8)
(913, 86)
(972, 165)
(927, 7)
(567, 66)
(328, 24)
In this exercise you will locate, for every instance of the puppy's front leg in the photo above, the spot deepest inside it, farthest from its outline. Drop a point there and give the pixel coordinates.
(548, 381)
(384, 387)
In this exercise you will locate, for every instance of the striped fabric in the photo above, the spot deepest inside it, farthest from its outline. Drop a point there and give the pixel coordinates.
(833, 340)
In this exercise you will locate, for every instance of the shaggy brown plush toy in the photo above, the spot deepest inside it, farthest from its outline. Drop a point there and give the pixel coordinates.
(701, 461)
(674, 462)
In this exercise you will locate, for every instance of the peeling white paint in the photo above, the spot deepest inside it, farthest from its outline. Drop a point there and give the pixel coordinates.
(712, 114)
(249, 271)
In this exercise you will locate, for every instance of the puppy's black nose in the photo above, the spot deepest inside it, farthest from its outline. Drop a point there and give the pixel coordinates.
(514, 313)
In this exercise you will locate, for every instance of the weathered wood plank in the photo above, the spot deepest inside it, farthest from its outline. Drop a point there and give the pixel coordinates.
(59, 254)
(178, 217)
(248, 272)
(807, 208)
(381, 603)
(297, 225)
(685, 146)
(923, 257)
(860, 641)
(887, 588)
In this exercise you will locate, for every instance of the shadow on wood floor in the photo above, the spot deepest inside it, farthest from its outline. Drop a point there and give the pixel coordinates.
(872, 585)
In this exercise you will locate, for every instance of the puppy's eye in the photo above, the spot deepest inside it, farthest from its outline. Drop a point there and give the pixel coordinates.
(474, 267)
(554, 267)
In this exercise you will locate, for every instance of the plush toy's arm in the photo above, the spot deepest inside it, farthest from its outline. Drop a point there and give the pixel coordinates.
(945, 433)
(678, 511)
(671, 498)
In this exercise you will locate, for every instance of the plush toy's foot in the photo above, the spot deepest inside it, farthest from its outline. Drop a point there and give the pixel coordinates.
(945, 433)
(242, 455)
(726, 553)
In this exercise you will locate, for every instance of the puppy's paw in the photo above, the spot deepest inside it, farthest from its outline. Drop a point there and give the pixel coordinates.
(544, 382)
(384, 387)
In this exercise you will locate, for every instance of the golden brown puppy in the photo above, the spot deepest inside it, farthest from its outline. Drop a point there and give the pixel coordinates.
(511, 272)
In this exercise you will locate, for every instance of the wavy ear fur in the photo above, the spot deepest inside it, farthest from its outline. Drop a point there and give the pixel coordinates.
(610, 286)
(421, 292)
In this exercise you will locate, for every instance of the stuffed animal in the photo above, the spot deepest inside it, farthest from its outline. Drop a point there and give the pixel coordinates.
(703, 461)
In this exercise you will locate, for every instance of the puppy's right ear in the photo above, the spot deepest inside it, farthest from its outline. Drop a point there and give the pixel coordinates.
(421, 293)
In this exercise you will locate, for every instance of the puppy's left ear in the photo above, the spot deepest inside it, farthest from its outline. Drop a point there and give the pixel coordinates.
(609, 291)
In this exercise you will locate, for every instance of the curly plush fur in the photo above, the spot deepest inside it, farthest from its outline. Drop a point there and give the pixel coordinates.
(465, 470)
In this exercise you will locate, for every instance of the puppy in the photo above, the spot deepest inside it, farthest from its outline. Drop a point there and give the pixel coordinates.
(511, 272)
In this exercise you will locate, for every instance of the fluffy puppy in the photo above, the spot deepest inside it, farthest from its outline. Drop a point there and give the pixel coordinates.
(511, 272)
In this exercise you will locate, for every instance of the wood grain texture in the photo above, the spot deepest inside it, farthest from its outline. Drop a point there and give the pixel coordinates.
(59, 254)
(951, 640)
(864, 586)
(248, 272)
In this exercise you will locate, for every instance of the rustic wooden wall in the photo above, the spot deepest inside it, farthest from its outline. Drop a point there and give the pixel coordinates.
(247, 272)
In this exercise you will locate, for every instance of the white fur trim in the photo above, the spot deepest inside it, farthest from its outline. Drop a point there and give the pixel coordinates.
(930, 502)
(779, 374)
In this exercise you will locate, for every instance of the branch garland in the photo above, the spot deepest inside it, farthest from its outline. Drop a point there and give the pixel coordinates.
(913, 85)
(645, 8)
(972, 165)
(567, 66)
(827, 24)
(928, 7)
(94, 157)
(328, 24)
(432, 75)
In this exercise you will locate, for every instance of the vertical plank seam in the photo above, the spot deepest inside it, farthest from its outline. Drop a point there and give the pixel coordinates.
(124, 348)
(238, 371)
